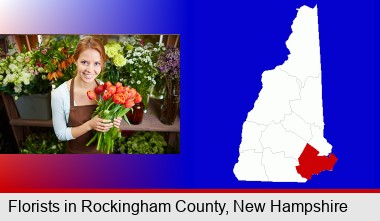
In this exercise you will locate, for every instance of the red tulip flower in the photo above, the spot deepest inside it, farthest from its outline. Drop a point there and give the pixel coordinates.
(111, 89)
(119, 98)
(118, 85)
(99, 89)
(114, 102)
(132, 93)
(120, 90)
(107, 95)
(91, 95)
(129, 103)
(138, 98)
(106, 85)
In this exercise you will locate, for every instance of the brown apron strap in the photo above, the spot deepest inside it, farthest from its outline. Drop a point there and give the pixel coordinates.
(72, 93)
(77, 116)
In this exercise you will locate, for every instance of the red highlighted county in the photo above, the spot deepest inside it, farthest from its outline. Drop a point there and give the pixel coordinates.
(312, 164)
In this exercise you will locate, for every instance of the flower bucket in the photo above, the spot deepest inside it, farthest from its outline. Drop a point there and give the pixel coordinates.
(34, 107)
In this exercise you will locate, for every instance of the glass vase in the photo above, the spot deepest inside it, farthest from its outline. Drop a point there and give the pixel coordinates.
(136, 116)
(170, 106)
(145, 102)
(145, 93)
(158, 90)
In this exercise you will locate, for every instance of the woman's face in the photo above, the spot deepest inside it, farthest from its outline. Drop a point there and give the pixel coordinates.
(89, 65)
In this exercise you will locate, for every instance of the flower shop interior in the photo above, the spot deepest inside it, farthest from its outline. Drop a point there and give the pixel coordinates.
(31, 66)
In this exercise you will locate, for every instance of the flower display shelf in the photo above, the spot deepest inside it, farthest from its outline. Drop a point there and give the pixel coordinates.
(150, 121)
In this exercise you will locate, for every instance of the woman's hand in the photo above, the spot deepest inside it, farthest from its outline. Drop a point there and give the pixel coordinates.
(101, 125)
(117, 122)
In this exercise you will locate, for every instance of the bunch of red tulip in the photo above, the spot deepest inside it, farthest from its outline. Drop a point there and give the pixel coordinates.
(114, 101)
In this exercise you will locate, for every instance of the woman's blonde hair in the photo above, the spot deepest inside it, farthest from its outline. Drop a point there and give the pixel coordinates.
(93, 43)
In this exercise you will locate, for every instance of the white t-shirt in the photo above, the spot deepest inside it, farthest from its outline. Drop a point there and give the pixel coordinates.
(60, 107)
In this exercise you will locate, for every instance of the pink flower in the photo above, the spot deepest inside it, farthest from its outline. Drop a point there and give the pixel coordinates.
(44, 51)
(27, 59)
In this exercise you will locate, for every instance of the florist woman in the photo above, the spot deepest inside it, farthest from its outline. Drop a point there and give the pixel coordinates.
(71, 108)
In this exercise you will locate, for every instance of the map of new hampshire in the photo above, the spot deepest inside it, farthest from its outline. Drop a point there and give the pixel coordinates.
(282, 137)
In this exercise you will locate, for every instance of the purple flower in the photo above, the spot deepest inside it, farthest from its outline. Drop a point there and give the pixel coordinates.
(169, 61)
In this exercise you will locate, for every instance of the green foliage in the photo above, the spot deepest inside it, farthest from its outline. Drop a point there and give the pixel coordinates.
(43, 143)
(143, 143)
(133, 64)
(54, 59)
(39, 70)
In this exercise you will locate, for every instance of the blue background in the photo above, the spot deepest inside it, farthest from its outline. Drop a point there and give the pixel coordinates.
(239, 41)
(225, 47)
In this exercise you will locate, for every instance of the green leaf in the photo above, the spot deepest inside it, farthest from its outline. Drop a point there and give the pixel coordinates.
(126, 120)
(100, 140)
(92, 140)
(123, 112)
